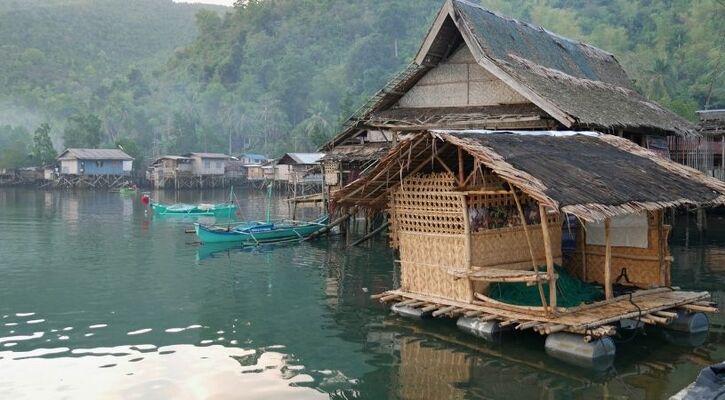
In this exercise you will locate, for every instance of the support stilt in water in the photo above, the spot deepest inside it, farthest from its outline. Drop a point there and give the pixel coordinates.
(371, 234)
(701, 220)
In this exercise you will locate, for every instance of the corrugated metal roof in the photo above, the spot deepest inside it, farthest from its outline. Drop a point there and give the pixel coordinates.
(254, 156)
(94, 154)
(175, 158)
(208, 155)
(301, 158)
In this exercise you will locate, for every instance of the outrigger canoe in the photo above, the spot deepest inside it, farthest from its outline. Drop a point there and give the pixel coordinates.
(216, 210)
(259, 232)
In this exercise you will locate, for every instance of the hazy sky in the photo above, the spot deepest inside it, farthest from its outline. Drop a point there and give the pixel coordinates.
(220, 2)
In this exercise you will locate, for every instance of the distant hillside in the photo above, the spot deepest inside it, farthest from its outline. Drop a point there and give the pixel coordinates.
(281, 75)
(55, 53)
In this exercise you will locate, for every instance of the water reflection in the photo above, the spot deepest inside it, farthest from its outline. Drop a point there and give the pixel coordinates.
(147, 372)
(101, 300)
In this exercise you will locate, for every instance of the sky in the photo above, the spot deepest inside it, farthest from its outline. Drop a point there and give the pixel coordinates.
(220, 2)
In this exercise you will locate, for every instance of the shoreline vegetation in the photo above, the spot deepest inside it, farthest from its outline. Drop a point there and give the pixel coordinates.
(156, 77)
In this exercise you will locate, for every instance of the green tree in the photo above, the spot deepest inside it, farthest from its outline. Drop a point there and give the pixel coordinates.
(14, 145)
(82, 131)
(43, 151)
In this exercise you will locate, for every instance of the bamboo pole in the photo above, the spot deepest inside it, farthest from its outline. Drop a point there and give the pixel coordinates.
(549, 258)
(531, 247)
(371, 234)
(461, 173)
(467, 245)
(584, 251)
(659, 216)
(334, 223)
(607, 261)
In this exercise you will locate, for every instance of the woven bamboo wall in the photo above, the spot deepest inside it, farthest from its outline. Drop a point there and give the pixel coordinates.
(428, 227)
(644, 268)
(507, 247)
(425, 260)
(431, 373)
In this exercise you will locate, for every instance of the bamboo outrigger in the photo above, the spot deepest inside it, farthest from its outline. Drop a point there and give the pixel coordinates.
(469, 209)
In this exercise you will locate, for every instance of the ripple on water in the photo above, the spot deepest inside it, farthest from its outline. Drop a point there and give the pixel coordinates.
(97, 326)
(35, 335)
(139, 332)
(177, 330)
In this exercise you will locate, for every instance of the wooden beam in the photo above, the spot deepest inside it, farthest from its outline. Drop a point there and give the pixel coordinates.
(444, 12)
(549, 257)
(362, 187)
(415, 170)
(444, 165)
(607, 261)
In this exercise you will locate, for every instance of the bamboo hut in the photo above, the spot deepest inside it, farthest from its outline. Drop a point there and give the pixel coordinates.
(470, 209)
(477, 69)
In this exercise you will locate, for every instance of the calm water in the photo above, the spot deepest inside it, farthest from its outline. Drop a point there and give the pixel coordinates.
(100, 300)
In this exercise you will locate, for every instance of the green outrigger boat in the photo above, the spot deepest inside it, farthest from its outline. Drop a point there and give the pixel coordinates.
(216, 210)
(259, 232)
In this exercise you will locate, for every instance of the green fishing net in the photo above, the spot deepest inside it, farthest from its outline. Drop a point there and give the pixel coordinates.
(570, 291)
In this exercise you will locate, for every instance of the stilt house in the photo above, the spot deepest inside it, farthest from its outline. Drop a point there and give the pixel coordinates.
(470, 209)
(477, 69)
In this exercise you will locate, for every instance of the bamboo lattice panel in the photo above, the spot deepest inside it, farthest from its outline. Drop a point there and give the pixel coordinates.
(425, 261)
(427, 204)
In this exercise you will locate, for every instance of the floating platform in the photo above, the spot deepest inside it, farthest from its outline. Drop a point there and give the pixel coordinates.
(659, 307)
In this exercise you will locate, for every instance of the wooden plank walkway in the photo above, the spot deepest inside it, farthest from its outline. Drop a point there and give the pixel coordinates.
(656, 306)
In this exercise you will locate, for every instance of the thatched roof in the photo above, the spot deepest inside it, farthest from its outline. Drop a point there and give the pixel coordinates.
(476, 117)
(578, 85)
(590, 175)
(217, 156)
(712, 122)
(358, 152)
(94, 154)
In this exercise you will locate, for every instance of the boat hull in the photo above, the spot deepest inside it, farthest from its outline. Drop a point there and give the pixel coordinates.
(222, 210)
(261, 233)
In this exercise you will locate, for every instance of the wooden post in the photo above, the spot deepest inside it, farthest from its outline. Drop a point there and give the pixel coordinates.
(607, 261)
(461, 172)
(531, 247)
(584, 251)
(722, 157)
(549, 257)
(661, 246)
(467, 244)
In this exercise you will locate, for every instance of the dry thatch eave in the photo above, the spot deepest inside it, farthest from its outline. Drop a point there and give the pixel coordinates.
(592, 176)
(358, 152)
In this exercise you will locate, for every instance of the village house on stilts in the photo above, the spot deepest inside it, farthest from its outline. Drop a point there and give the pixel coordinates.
(504, 138)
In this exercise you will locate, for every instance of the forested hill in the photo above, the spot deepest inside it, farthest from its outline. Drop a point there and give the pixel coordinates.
(55, 53)
(280, 75)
